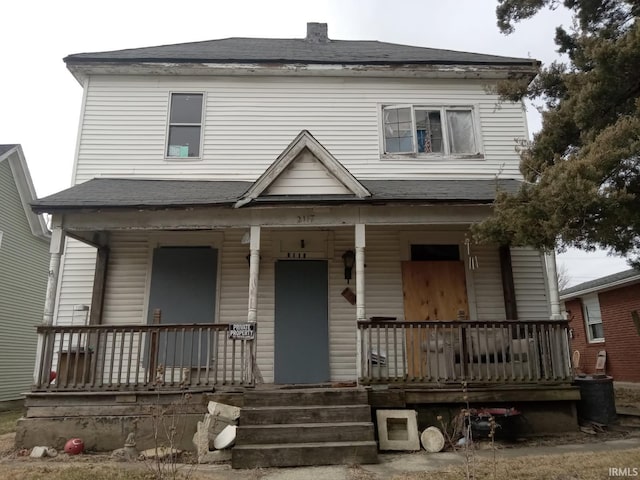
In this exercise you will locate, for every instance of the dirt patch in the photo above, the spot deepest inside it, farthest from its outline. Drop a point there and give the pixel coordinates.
(7, 444)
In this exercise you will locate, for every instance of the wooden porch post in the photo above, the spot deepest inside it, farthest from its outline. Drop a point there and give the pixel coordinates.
(44, 352)
(552, 281)
(99, 281)
(508, 286)
(360, 305)
(252, 311)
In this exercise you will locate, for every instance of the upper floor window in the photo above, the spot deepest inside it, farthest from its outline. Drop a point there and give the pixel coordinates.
(185, 125)
(593, 318)
(429, 130)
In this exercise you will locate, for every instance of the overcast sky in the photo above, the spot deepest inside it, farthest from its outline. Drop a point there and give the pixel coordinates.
(40, 100)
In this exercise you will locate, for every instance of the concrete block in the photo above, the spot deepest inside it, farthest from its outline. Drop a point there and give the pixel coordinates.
(38, 452)
(224, 411)
(398, 429)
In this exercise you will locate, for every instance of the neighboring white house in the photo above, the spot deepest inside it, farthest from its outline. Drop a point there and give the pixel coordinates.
(24, 261)
(302, 184)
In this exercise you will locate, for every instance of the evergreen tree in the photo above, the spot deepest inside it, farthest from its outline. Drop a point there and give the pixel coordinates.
(582, 169)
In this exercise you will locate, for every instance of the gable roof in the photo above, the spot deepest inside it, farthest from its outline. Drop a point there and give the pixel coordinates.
(603, 283)
(304, 140)
(13, 154)
(123, 193)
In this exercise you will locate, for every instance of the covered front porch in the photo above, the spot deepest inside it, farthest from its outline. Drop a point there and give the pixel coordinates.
(200, 299)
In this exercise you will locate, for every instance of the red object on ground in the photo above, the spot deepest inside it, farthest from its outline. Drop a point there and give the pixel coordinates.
(52, 376)
(74, 446)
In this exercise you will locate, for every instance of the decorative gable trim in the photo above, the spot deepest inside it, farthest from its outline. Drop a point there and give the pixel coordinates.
(304, 140)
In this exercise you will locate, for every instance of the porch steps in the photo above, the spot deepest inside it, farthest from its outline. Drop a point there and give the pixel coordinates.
(299, 427)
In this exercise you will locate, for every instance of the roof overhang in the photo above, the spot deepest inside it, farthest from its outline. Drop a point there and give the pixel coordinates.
(611, 285)
(125, 194)
(81, 70)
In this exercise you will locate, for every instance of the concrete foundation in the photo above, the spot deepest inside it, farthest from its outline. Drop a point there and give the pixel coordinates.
(103, 433)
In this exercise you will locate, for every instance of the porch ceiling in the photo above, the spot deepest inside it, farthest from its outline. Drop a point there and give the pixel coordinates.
(124, 193)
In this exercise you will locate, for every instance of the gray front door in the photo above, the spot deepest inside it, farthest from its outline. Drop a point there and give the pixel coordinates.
(301, 323)
(183, 287)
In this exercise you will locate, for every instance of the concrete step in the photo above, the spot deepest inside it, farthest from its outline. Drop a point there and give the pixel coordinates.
(305, 432)
(304, 414)
(306, 396)
(304, 454)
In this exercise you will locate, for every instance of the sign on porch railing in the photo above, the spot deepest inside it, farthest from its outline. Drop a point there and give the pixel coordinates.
(241, 331)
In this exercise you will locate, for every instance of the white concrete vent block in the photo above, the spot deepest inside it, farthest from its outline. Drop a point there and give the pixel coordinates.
(228, 412)
(398, 429)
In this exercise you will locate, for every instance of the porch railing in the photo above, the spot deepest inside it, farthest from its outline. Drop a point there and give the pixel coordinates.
(141, 357)
(482, 352)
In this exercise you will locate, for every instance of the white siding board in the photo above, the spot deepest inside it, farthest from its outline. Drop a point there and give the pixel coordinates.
(530, 284)
(487, 280)
(249, 121)
(306, 176)
(125, 288)
(75, 280)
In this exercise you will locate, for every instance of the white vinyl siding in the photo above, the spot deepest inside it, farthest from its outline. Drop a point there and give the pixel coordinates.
(306, 176)
(75, 282)
(530, 284)
(125, 288)
(487, 281)
(24, 263)
(250, 121)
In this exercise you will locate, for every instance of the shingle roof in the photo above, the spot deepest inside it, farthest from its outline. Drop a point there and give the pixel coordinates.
(5, 148)
(138, 193)
(270, 50)
(602, 282)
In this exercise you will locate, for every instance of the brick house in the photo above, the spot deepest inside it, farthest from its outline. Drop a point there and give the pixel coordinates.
(600, 318)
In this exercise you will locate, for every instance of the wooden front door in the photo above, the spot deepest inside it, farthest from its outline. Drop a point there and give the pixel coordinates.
(432, 291)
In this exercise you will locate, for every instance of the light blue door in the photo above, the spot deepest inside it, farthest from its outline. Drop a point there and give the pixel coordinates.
(301, 323)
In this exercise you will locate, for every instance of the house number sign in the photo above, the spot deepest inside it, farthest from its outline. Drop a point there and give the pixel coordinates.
(241, 331)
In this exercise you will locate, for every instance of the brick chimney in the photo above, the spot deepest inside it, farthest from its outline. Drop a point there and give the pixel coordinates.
(317, 32)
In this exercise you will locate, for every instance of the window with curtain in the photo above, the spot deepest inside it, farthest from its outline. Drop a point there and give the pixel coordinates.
(424, 130)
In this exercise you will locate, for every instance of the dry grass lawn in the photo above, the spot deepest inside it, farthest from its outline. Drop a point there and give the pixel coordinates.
(569, 466)
(8, 421)
(572, 466)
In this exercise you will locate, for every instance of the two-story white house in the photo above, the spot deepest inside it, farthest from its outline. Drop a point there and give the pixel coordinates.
(254, 212)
